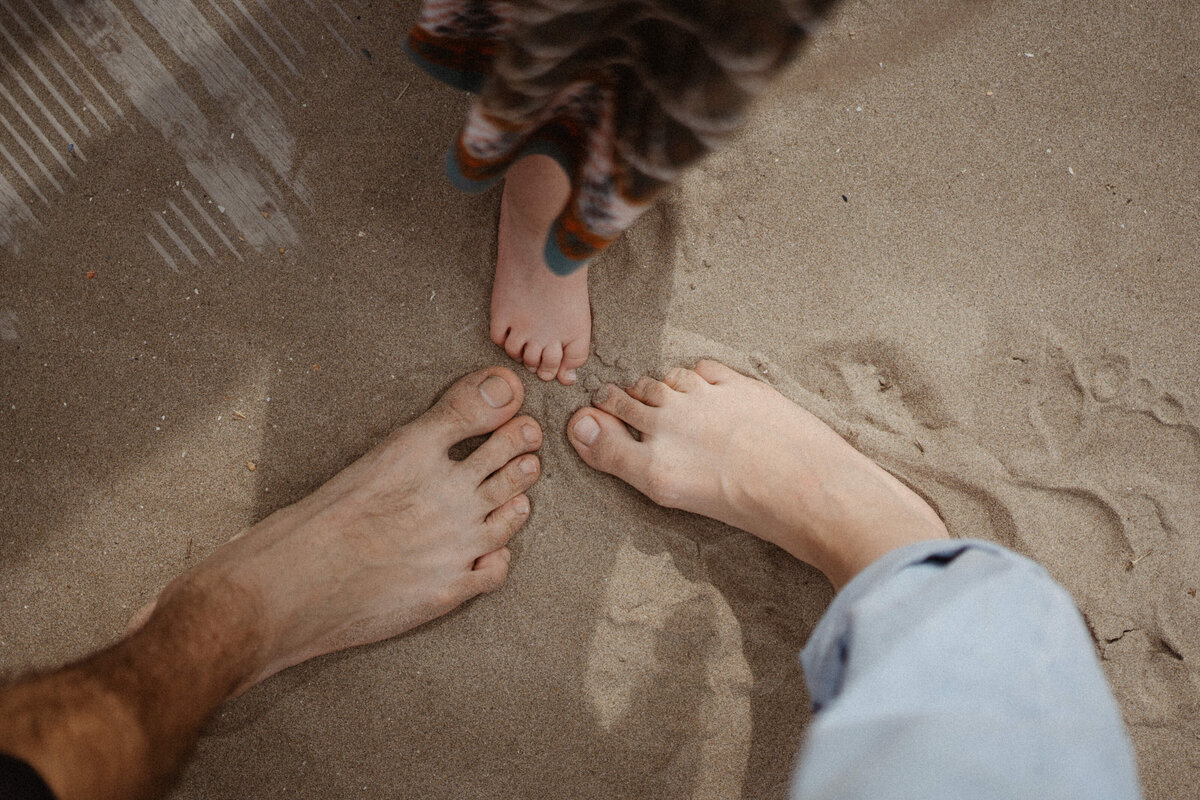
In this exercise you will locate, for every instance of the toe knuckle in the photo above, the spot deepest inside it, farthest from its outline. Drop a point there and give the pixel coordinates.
(494, 579)
(514, 438)
(496, 537)
(457, 409)
(623, 405)
(515, 479)
(499, 535)
(646, 388)
(493, 537)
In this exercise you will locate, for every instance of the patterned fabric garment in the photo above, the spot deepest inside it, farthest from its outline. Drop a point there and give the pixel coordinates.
(623, 95)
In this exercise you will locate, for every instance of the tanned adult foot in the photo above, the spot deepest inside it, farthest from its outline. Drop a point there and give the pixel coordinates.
(403, 535)
(717, 443)
(540, 319)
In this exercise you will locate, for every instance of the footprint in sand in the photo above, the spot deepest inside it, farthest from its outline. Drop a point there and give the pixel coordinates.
(655, 625)
(1076, 461)
(1092, 474)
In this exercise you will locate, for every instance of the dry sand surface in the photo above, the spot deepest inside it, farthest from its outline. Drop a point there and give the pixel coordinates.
(965, 234)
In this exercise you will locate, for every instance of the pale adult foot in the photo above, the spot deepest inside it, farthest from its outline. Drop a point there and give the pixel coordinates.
(717, 443)
(540, 319)
(402, 536)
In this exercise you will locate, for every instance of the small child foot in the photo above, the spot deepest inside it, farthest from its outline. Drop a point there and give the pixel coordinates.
(541, 319)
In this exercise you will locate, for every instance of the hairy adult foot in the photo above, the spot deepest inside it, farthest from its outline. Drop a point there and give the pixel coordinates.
(402, 536)
(539, 318)
(717, 443)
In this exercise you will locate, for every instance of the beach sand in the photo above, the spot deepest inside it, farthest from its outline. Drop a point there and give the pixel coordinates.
(964, 234)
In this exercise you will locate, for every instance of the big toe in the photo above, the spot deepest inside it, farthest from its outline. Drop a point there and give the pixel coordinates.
(475, 404)
(604, 443)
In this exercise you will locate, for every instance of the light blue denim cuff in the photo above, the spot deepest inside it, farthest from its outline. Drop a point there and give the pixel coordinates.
(824, 656)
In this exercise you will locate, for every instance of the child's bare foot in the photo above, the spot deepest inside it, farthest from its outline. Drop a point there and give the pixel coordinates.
(396, 539)
(729, 447)
(539, 318)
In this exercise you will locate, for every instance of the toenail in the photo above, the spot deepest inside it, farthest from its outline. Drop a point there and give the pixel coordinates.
(587, 430)
(528, 466)
(530, 433)
(496, 392)
(521, 506)
(571, 375)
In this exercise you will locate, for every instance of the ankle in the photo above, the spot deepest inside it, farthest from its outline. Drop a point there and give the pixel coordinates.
(535, 192)
(853, 554)
(206, 619)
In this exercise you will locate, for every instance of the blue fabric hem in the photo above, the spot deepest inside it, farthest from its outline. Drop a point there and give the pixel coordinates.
(464, 80)
(462, 182)
(558, 261)
(958, 668)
